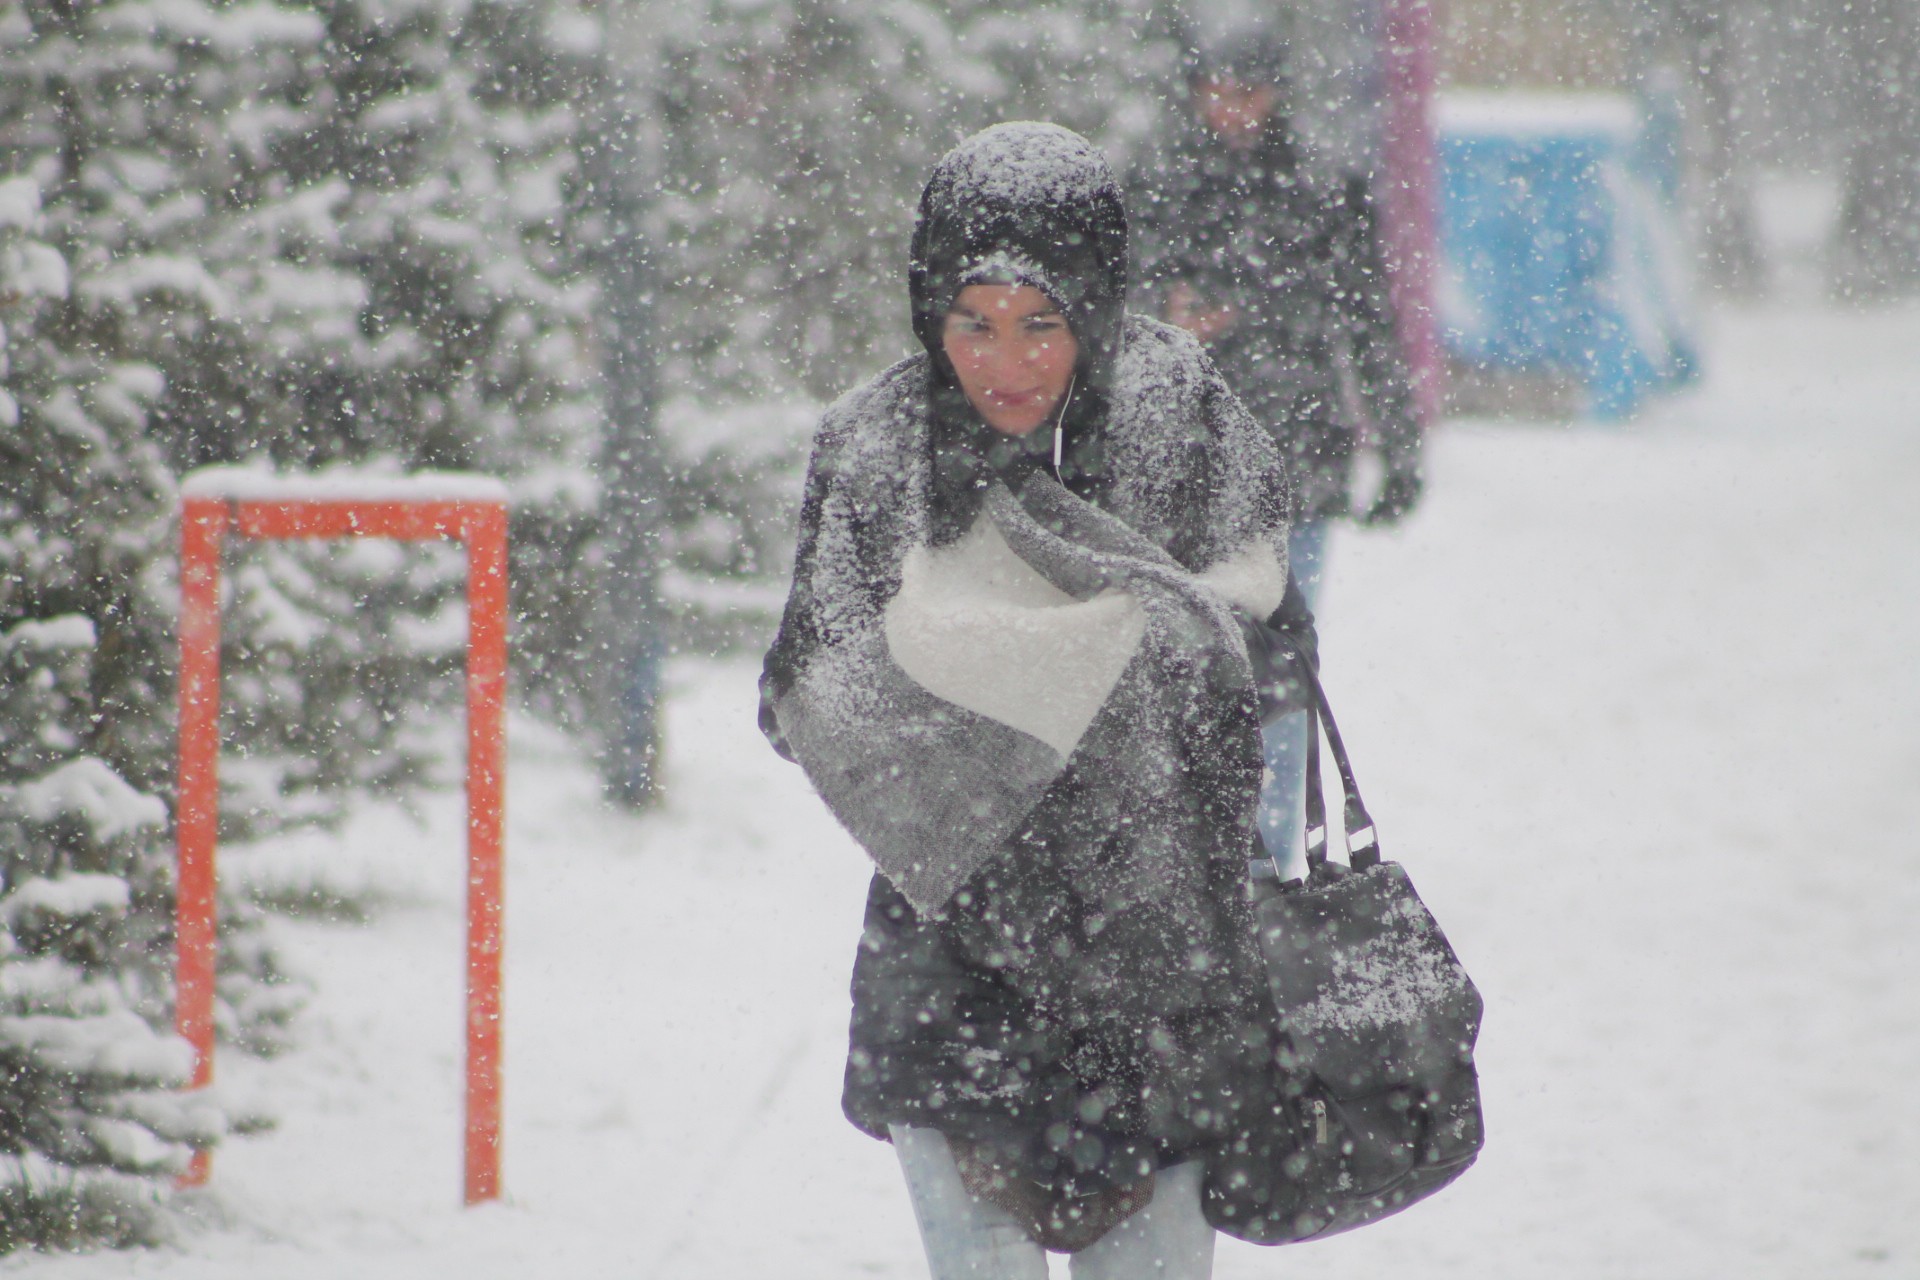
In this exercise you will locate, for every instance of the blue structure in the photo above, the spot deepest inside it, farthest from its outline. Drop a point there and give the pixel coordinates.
(1561, 244)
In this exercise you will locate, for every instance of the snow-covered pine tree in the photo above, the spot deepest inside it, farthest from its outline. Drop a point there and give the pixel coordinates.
(85, 1078)
(441, 142)
(300, 234)
(86, 1067)
(193, 301)
(335, 232)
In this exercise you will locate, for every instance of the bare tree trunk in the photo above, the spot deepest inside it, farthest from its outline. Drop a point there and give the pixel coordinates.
(629, 618)
(1876, 247)
(1706, 35)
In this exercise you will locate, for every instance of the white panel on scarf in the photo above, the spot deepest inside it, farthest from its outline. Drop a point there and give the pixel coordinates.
(1251, 577)
(976, 625)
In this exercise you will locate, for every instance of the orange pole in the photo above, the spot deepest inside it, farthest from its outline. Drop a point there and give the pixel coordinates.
(412, 519)
(483, 527)
(485, 531)
(203, 525)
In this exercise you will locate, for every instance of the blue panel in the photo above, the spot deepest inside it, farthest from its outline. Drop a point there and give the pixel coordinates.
(1560, 253)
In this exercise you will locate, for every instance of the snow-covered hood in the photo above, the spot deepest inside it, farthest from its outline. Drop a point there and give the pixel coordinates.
(1025, 203)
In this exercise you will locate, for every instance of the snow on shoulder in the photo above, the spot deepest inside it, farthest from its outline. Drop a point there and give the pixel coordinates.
(1025, 163)
(341, 484)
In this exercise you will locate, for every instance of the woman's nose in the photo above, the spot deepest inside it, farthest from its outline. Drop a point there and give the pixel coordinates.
(1022, 351)
(1009, 355)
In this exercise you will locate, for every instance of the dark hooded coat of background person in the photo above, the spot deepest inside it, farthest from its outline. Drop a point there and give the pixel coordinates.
(1296, 254)
(1058, 968)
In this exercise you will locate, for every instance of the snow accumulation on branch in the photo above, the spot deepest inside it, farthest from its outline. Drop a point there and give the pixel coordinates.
(236, 29)
(19, 203)
(50, 635)
(117, 1045)
(69, 896)
(1537, 113)
(341, 484)
(88, 788)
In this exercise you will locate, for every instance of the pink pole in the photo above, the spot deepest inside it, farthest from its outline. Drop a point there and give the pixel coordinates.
(1409, 200)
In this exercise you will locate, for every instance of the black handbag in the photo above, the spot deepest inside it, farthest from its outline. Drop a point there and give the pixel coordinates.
(1378, 1022)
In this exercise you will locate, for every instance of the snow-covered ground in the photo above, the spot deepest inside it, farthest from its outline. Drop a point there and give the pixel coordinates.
(1637, 706)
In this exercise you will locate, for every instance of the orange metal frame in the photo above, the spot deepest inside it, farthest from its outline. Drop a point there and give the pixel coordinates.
(482, 526)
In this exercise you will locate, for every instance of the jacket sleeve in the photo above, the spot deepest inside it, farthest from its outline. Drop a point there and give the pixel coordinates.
(801, 628)
(1283, 648)
(1249, 487)
(1372, 330)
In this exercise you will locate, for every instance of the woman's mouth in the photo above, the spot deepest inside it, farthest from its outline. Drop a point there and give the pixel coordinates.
(1014, 399)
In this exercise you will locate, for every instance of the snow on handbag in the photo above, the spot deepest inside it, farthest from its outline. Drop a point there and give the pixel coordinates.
(1384, 1101)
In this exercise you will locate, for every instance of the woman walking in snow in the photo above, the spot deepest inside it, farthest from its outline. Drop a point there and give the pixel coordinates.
(1013, 664)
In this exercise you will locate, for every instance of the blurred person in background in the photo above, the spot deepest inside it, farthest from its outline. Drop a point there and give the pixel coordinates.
(1274, 263)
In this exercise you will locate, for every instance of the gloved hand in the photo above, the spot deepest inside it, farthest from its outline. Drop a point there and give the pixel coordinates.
(1399, 494)
(1283, 650)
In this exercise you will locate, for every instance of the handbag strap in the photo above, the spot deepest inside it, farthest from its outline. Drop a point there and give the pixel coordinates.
(1362, 839)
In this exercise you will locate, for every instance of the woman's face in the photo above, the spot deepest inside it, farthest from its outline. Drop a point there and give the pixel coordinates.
(1013, 353)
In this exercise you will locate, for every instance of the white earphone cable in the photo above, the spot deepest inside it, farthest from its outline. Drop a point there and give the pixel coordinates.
(1059, 424)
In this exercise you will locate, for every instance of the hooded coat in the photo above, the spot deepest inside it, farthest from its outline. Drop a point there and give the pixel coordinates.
(1298, 258)
(1023, 688)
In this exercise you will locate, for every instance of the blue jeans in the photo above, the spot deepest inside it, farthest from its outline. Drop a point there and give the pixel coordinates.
(971, 1239)
(1285, 740)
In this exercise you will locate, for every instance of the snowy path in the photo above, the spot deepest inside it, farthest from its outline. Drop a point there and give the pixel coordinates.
(1638, 707)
